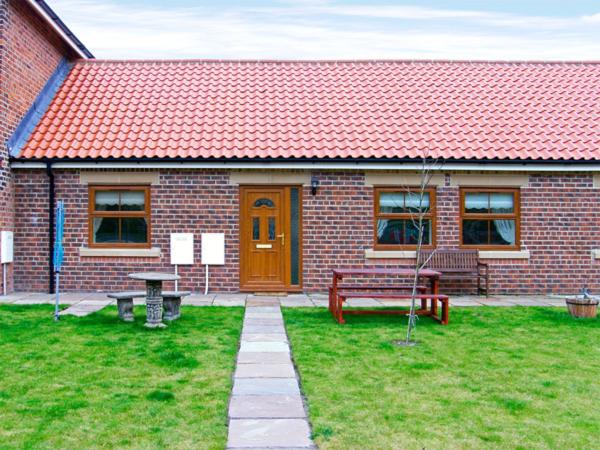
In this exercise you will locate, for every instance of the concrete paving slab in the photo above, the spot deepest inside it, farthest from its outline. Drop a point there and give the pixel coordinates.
(263, 321)
(6, 299)
(105, 302)
(459, 302)
(269, 433)
(261, 337)
(41, 296)
(224, 302)
(266, 298)
(296, 303)
(265, 371)
(263, 329)
(195, 302)
(495, 303)
(238, 296)
(207, 297)
(263, 309)
(265, 386)
(263, 347)
(526, 302)
(266, 407)
(68, 301)
(254, 302)
(74, 296)
(250, 314)
(96, 296)
(264, 357)
(33, 301)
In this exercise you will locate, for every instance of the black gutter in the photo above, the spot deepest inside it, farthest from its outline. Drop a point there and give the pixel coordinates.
(51, 195)
(262, 161)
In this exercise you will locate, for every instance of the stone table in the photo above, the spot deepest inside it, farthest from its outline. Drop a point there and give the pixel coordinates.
(154, 300)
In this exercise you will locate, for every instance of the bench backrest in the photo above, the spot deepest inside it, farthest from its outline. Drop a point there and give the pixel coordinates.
(452, 260)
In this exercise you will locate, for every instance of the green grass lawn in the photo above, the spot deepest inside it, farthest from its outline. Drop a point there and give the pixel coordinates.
(519, 377)
(96, 382)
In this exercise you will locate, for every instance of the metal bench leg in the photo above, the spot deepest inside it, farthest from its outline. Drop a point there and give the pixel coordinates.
(125, 307)
(171, 307)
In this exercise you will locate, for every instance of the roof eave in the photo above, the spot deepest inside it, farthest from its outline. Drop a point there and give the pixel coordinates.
(42, 8)
(526, 165)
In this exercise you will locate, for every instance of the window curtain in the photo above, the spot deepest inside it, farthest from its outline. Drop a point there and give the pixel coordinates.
(381, 226)
(97, 224)
(506, 229)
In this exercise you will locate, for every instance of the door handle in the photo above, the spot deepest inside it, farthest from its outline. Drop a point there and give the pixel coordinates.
(282, 236)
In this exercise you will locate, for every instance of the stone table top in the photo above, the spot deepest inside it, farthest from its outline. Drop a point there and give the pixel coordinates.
(154, 276)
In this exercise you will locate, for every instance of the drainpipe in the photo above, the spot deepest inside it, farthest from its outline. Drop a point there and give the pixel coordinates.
(51, 194)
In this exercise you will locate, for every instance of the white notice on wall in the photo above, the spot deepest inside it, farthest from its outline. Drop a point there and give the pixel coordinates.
(182, 248)
(6, 247)
(213, 248)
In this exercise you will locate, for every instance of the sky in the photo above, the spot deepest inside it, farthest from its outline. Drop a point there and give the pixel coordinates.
(324, 29)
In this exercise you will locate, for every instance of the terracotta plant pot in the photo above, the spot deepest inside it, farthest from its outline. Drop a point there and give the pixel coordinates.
(582, 308)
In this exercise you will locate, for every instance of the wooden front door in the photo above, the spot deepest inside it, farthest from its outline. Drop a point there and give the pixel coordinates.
(265, 238)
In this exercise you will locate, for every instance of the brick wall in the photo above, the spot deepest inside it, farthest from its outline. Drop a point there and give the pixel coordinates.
(29, 54)
(184, 202)
(559, 226)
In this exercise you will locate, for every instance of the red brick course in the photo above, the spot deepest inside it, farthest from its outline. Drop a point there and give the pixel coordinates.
(29, 54)
(560, 224)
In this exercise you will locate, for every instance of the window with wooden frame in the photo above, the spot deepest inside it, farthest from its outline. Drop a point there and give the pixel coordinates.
(397, 217)
(490, 218)
(119, 216)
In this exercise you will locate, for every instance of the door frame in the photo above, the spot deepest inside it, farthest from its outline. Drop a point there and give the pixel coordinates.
(286, 226)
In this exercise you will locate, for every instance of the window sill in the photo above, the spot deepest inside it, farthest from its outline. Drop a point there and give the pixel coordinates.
(153, 252)
(504, 254)
(390, 254)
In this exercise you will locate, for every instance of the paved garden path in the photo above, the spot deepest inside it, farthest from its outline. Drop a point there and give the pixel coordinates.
(266, 408)
(83, 303)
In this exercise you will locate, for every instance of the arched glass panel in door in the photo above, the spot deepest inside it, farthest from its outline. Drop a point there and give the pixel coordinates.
(267, 202)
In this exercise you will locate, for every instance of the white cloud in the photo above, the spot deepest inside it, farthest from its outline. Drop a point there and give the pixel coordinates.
(593, 18)
(323, 30)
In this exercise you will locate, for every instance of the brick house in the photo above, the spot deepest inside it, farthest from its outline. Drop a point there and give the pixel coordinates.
(33, 44)
(305, 166)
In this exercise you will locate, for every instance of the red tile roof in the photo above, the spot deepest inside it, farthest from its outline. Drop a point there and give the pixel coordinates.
(348, 109)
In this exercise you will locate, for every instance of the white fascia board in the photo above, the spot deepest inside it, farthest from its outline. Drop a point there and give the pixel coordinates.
(56, 28)
(481, 167)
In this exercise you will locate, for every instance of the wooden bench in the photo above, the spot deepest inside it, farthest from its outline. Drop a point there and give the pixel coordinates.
(433, 311)
(125, 303)
(459, 265)
(364, 287)
(171, 303)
